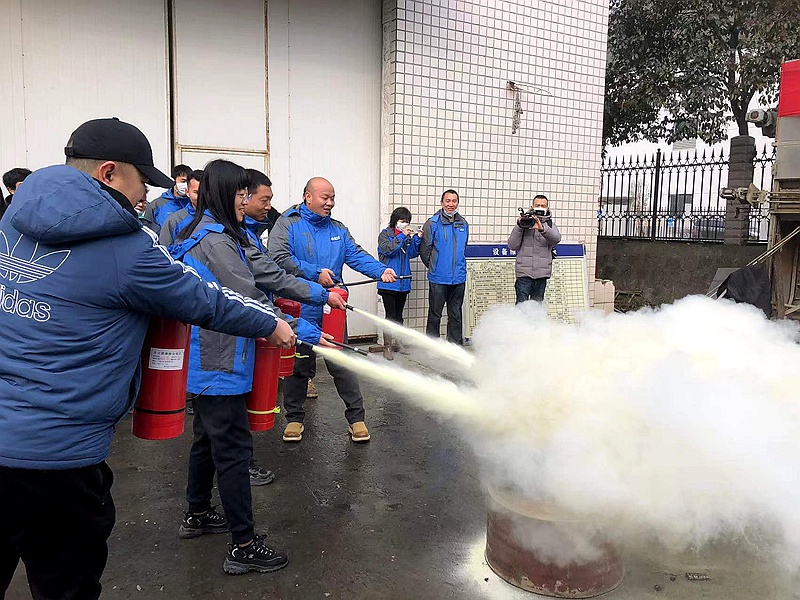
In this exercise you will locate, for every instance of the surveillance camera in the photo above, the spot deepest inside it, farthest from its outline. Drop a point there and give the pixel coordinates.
(765, 119)
(758, 116)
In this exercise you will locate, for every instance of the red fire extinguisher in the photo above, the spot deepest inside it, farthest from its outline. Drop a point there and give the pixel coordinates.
(292, 308)
(334, 319)
(262, 401)
(158, 412)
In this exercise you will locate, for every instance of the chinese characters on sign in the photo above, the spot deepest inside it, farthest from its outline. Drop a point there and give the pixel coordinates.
(490, 281)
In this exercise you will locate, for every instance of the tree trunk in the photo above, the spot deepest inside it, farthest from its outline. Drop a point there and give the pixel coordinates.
(740, 114)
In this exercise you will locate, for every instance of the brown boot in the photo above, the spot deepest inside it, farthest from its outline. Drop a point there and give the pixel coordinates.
(293, 432)
(388, 350)
(359, 432)
(311, 391)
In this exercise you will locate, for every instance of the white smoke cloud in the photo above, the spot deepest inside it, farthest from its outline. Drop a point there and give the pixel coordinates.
(680, 424)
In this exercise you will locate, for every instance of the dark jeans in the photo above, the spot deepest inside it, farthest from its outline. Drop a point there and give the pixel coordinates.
(528, 288)
(393, 304)
(58, 523)
(438, 296)
(305, 368)
(222, 444)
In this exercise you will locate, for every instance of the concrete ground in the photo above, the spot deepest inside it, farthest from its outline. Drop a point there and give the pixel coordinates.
(402, 517)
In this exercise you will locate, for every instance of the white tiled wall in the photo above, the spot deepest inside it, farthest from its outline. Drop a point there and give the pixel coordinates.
(447, 115)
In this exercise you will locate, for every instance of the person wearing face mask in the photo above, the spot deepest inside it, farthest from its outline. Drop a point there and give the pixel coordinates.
(179, 219)
(170, 201)
(140, 207)
(443, 251)
(397, 245)
(534, 242)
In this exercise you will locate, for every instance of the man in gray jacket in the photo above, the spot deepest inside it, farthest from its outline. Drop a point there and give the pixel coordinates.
(533, 239)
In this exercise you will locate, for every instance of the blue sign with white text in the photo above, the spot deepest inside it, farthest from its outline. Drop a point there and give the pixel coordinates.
(503, 251)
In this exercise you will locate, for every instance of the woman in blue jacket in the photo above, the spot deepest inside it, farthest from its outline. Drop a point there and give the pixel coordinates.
(397, 245)
(221, 374)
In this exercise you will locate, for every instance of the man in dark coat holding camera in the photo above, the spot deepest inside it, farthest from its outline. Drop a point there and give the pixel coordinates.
(533, 238)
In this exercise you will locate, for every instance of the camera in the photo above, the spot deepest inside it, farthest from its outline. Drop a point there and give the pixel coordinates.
(767, 120)
(527, 218)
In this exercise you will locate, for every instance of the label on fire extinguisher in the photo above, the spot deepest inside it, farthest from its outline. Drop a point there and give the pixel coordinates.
(166, 359)
(326, 309)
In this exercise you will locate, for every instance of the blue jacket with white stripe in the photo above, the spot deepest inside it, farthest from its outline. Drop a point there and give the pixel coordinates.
(220, 364)
(161, 208)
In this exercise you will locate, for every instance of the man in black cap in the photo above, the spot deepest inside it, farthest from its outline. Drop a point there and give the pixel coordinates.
(79, 279)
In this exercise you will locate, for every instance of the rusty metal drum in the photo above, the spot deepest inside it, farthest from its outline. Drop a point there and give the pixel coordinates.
(536, 548)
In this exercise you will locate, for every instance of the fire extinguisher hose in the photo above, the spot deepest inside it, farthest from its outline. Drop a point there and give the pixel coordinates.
(366, 281)
(341, 345)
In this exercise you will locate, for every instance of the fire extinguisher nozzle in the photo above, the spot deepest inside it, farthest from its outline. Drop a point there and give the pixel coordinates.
(349, 347)
(349, 307)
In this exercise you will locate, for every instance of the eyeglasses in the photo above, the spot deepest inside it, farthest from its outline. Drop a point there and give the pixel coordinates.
(244, 197)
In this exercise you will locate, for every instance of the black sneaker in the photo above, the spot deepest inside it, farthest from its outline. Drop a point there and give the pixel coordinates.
(255, 557)
(196, 525)
(259, 475)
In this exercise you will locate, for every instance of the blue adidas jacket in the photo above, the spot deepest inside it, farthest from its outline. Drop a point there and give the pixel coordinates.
(303, 243)
(79, 277)
(396, 250)
(443, 248)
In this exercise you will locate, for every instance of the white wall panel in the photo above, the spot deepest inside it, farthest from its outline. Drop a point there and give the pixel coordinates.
(324, 95)
(450, 115)
(87, 59)
(197, 159)
(12, 100)
(220, 74)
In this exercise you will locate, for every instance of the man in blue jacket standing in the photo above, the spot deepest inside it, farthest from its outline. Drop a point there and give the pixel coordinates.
(443, 251)
(79, 279)
(308, 243)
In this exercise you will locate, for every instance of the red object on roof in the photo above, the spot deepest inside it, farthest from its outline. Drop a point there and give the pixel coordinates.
(789, 97)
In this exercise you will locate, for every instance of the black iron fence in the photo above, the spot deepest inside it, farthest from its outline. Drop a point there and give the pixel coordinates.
(675, 196)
